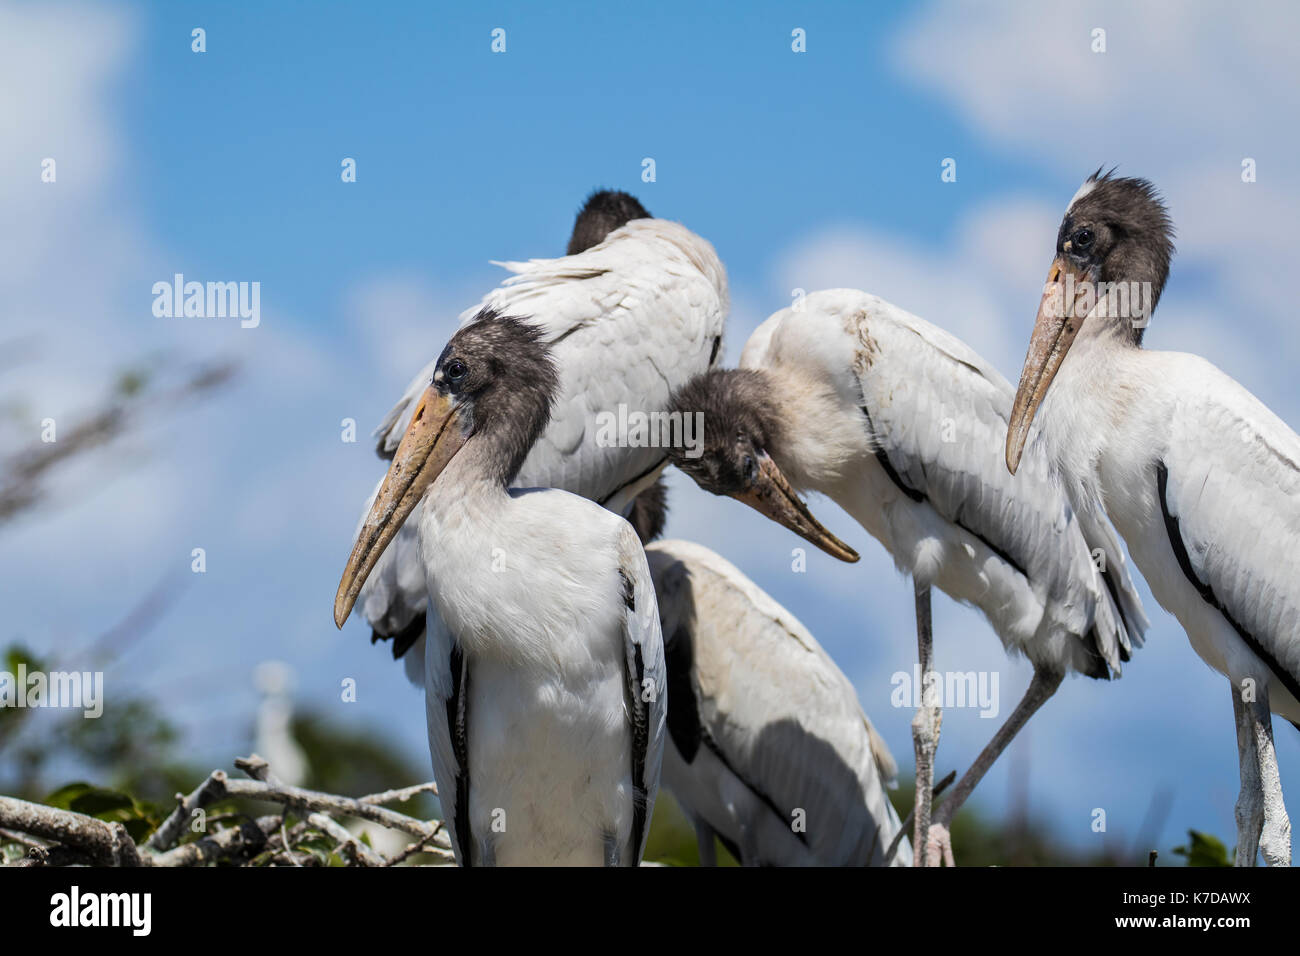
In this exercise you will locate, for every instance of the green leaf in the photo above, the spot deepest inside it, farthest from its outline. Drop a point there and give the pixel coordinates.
(139, 828)
(63, 797)
(1203, 850)
(97, 802)
(16, 654)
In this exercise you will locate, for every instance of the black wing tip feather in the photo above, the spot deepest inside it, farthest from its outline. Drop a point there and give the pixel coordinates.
(456, 726)
(1288, 680)
(1097, 668)
(402, 639)
(640, 747)
(649, 512)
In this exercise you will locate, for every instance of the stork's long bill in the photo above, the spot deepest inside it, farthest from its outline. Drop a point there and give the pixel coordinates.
(1055, 329)
(431, 441)
(771, 494)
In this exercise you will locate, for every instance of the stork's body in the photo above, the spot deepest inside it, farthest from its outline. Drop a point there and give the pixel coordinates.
(635, 310)
(767, 745)
(1200, 478)
(901, 424)
(546, 709)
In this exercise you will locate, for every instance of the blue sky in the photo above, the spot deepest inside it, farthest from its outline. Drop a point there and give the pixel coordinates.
(805, 170)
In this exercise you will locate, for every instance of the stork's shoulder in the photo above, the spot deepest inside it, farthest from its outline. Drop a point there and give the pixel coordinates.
(650, 281)
(848, 331)
(641, 250)
(1212, 415)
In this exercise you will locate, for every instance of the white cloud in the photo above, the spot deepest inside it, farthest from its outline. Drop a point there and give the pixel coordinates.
(1183, 93)
(1175, 76)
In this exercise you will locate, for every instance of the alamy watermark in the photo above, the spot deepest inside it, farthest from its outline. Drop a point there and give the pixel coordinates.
(637, 429)
(82, 690)
(209, 300)
(947, 690)
(1080, 297)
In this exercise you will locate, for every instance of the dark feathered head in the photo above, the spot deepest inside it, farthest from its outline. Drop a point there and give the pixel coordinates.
(493, 383)
(604, 211)
(741, 424)
(1119, 231)
(499, 373)
(741, 428)
(1112, 260)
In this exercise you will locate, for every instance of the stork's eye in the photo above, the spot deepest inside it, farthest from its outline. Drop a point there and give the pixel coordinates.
(456, 371)
(1082, 239)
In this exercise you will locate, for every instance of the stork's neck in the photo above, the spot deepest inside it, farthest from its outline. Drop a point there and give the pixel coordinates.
(819, 437)
(478, 472)
(1087, 410)
(469, 519)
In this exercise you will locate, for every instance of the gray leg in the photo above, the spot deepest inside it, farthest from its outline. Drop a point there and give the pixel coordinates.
(925, 728)
(1261, 815)
(1042, 687)
(1250, 805)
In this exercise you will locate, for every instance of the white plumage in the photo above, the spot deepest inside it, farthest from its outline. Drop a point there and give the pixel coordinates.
(903, 426)
(627, 321)
(767, 745)
(544, 669)
(1232, 482)
(867, 384)
(551, 641)
(542, 634)
(1200, 478)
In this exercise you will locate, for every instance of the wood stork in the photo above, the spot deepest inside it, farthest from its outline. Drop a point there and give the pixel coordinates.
(902, 424)
(1199, 477)
(634, 310)
(767, 745)
(546, 711)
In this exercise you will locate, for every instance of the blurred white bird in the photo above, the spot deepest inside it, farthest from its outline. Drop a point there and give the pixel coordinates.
(273, 738)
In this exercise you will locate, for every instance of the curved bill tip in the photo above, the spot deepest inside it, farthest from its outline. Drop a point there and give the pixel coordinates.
(771, 495)
(1016, 444)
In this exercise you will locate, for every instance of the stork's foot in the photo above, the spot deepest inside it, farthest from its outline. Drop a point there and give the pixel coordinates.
(938, 846)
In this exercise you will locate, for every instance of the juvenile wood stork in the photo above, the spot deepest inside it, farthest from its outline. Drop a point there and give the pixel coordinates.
(634, 310)
(902, 425)
(767, 745)
(546, 711)
(1200, 478)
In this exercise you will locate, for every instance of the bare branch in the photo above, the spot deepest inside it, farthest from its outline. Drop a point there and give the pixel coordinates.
(443, 855)
(108, 843)
(401, 796)
(246, 839)
(348, 842)
(171, 829)
(23, 476)
(311, 800)
(79, 838)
